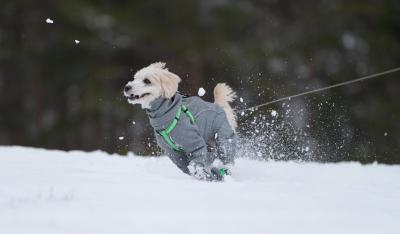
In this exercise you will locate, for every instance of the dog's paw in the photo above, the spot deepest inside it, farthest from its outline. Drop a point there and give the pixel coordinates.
(197, 171)
(202, 173)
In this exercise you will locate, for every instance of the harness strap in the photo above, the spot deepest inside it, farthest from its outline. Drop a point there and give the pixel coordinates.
(188, 113)
(166, 133)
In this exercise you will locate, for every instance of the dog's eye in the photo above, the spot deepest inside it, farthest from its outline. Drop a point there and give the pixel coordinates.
(146, 81)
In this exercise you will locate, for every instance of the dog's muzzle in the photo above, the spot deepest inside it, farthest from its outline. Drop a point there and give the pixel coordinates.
(133, 97)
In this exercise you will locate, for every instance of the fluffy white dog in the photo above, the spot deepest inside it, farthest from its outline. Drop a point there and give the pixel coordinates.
(192, 132)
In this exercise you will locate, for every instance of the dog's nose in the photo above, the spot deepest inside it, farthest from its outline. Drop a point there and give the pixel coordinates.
(127, 88)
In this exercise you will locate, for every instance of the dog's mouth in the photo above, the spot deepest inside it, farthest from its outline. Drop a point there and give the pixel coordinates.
(133, 97)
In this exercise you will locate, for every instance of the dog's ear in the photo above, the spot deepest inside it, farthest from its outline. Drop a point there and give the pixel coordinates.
(159, 65)
(169, 83)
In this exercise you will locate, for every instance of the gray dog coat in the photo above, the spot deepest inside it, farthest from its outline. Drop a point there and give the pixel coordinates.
(210, 128)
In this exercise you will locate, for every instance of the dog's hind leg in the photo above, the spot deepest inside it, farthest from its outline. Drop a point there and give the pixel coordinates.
(226, 140)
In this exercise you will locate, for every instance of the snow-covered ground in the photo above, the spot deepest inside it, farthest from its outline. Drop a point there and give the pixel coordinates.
(76, 192)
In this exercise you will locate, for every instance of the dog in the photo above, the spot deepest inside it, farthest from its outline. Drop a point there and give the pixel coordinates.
(195, 134)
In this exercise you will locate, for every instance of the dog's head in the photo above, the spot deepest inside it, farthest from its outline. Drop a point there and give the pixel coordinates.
(150, 83)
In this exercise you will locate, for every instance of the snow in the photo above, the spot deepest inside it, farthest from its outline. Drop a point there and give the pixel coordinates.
(349, 41)
(273, 113)
(49, 21)
(121, 138)
(45, 191)
(201, 92)
(241, 99)
(77, 41)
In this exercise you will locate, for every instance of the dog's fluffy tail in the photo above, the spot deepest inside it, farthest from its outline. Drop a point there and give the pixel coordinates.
(223, 95)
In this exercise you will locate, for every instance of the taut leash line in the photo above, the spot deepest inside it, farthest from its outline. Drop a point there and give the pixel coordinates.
(324, 88)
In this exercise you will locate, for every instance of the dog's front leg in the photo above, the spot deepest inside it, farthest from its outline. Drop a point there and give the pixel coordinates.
(195, 148)
(200, 167)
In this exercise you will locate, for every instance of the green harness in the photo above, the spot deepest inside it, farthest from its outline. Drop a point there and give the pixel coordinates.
(166, 133)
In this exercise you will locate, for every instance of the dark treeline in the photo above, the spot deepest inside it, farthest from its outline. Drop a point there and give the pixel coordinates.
(57, 93)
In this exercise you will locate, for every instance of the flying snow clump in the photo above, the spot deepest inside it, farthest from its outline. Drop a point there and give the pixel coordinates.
(77, 41)
(121, 138)
(49, 21)
(201, 92)
(273, 113)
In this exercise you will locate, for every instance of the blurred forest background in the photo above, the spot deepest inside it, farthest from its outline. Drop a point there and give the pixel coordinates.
(60, 94)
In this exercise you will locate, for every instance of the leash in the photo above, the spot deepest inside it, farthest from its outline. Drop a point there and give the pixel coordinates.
(324, 88)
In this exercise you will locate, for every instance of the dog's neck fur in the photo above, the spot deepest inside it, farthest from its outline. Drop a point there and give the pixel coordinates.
(162, 111)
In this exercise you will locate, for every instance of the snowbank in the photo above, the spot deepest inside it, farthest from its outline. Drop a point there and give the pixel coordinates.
(46, 191)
